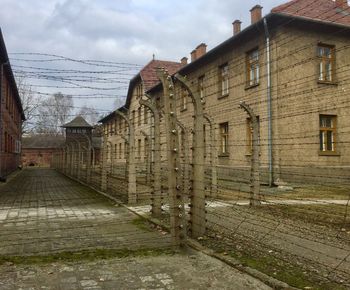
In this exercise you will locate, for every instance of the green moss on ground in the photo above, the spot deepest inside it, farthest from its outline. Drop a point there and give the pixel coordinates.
(86, 255)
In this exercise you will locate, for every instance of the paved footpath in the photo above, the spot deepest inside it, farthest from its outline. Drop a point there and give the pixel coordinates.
(183, 272)
(45, 213)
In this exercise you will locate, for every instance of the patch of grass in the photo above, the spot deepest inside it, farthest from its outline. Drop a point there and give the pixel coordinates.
(142, 224)
(86, 255)
(290, 274)
(330, 215)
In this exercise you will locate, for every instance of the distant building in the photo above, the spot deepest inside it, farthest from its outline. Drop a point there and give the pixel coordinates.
(79, 133)
(38, 150)
(11, 116)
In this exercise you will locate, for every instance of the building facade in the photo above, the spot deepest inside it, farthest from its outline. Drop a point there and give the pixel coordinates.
(38, 150)
(11, 116)
(291, 68)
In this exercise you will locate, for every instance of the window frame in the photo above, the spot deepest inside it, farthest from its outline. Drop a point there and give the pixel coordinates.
(224, 80)
(323, 138)
(184, 99)
(224, 139)
(255, 81)
(323, 60)
(201, 87)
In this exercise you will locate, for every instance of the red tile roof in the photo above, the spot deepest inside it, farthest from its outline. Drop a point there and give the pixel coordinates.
(149, 74)
(320, 10)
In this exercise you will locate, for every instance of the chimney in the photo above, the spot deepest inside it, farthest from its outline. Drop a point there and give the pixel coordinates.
(201, 50)
(184, 60)
(193, 55)
(342, 3)
(236, 27)
(255, 13)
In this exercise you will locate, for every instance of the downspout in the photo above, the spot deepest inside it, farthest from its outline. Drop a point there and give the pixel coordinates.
(269, 102)
(1, 133)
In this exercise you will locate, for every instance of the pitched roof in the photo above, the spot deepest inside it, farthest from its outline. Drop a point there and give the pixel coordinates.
(43, 141)
(321, 10)
(78, 122)
(148, 75)
(149, 72)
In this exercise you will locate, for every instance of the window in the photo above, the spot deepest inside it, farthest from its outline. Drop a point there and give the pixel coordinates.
(223, 74)
(146, 148)
(139, 148)
(145, 115)
(201, 86)
(250, 135)
(133, 117)
(224, 138)
(327, 133)
(125, 149)
(253, 68)
(183, 99)
(326, 57)
(120, 150)
(139, 116)
(115, 151)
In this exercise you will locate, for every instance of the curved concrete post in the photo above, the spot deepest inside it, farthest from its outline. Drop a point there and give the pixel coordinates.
(130, 163)
(77, 157)
(147, 157)
(198, 221)
(104, 164)
(213, 157)
(176, 197)
(255, 198)
(156, 184)
(71, 159)
(185, 158)
(88, 159)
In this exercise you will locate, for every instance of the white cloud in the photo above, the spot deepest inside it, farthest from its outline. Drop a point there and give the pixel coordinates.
(118, 30)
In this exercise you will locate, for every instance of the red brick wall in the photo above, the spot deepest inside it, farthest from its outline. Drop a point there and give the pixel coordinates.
(10, 127)
(37, 157)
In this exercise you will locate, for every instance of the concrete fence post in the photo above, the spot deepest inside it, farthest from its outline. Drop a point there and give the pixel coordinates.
(104, 164)
(255, 198)
(213, 157)
(130, 162)
(198, 220)
(156, 201)
(185, 158)
(147, 156)
(176, 198)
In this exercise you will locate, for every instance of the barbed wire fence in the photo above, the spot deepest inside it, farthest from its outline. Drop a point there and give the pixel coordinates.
(298, 228)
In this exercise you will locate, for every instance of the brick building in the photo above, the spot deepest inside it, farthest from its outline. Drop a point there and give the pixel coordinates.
(290, 66)
(38, 150)
(115, 127)
(11, 116)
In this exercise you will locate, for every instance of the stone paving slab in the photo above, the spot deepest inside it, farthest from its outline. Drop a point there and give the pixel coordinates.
(43, 212)
(179, 271)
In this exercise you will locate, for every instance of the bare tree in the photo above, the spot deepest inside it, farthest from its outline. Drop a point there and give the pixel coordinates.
(89, 114)
(53, 113)
(30, 103)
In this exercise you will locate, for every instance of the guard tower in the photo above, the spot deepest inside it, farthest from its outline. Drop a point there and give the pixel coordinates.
(78, 130)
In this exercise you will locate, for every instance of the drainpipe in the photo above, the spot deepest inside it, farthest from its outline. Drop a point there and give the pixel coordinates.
(1, 72)
(269, 101)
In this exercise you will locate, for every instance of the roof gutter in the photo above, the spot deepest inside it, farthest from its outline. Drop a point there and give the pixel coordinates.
(269, 100)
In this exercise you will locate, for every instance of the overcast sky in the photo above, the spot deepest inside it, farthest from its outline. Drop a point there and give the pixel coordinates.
(118, 30)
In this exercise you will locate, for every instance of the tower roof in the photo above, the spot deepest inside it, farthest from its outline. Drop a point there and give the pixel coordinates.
(77, 122)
